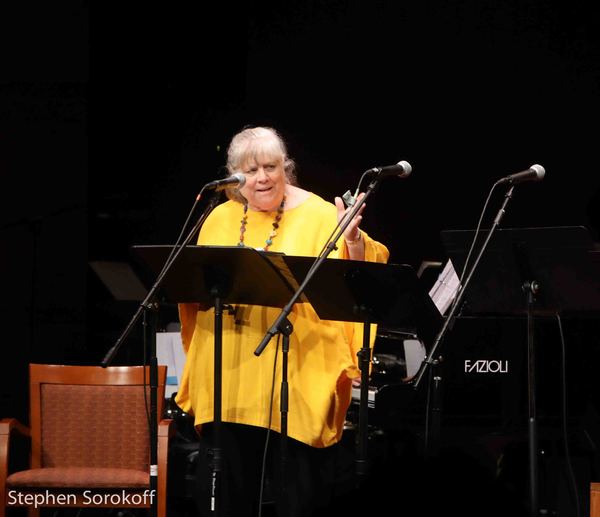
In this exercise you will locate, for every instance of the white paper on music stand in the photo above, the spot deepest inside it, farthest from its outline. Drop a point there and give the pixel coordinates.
(445, 288)
(169, 351)
(414, 354)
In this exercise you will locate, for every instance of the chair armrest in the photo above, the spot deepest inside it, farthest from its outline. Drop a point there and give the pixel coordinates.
(166, 428)
(8, 426)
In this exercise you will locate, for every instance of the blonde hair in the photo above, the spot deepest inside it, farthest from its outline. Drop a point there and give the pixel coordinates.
(251, 143)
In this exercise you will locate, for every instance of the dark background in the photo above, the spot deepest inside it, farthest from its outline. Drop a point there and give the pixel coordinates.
(113, 117)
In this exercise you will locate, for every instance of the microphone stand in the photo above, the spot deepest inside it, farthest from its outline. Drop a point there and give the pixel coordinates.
(149, 305)
(282, 326)
(432, 359)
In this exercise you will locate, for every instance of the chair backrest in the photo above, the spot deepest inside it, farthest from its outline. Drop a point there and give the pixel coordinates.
(89, 416)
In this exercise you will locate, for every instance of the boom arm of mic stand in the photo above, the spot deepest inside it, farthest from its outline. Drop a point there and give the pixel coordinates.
(275, 328)
(147, 302)
(452, 314)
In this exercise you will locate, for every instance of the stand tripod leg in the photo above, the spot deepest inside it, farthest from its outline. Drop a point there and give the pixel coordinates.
(533, 467)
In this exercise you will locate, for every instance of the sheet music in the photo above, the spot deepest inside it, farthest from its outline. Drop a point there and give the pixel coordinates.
(445, 288)
(169, 351)
(414, 354)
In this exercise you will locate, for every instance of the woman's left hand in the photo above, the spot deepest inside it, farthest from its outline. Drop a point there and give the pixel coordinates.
(352, 234)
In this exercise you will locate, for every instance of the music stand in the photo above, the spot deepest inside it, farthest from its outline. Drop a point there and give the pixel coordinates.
(530, 272)
(120, 280)
(561, 258)
(217, 276)
(368, 292)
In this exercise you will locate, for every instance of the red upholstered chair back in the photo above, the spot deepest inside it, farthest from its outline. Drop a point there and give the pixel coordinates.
(93, 426)
(88, 416)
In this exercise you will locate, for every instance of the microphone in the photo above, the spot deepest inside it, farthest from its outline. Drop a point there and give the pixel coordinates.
(235, 180)
(534, 173)
(402, 169)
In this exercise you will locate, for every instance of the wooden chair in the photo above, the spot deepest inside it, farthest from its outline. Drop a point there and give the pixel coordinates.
(595, 500)
(89, 440)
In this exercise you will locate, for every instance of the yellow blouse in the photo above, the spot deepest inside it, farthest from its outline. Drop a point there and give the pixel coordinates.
(322, 358)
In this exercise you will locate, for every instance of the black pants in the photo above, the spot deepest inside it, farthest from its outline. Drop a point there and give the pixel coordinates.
(305, 482)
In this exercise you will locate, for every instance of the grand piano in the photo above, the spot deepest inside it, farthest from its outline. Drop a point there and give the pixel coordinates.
(482, 375)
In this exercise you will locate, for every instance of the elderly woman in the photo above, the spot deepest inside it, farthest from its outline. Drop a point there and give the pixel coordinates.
(270, 212)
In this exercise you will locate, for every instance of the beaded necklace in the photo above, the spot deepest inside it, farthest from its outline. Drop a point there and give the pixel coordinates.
(272, 233)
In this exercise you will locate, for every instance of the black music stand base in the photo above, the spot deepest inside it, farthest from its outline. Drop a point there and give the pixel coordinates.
(215, 454)
(433, 423)
(531, 289)
(285, 329)
(364, 360)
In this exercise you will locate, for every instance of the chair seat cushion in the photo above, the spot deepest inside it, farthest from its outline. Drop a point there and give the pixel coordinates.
(80, 477)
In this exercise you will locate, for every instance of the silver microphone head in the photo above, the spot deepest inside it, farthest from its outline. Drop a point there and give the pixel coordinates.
(241, 177)
(407, 167)
(540, 172)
